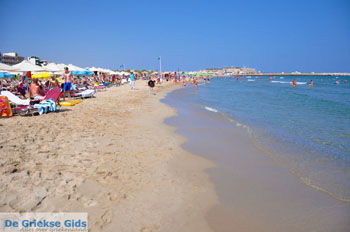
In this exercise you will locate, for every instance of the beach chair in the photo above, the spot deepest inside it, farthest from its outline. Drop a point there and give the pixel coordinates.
(86, 93)
(49, 103)
(15, 99)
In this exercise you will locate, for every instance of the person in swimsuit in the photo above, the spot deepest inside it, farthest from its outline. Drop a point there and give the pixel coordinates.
(195, 82)
(311, 84)
(54, 83)
(36, 92)
(68, 79)
(294, 83)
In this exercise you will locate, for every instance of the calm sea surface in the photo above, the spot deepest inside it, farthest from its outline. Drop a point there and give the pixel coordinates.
(306, 130)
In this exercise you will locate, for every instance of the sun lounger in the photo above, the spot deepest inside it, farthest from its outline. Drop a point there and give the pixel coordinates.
(86, 93)
(44, 106)
(14, 99)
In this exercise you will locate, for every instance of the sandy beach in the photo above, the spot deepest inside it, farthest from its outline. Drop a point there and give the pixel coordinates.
(111, 156)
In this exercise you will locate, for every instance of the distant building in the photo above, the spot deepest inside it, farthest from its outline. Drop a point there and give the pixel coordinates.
(229, 71)
(10, 58)
(248, 71)
(37, 61)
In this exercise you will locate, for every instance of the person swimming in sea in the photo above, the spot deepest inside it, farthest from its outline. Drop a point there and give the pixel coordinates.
(294, 83)
(311, 84)
(195, 82)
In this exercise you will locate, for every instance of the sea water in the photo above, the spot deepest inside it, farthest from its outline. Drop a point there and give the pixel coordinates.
(307, 130)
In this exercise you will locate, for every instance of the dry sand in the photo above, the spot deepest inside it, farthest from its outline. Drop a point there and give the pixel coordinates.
(111, 156)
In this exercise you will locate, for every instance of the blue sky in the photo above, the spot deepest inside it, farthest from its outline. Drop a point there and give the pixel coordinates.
(189, 35)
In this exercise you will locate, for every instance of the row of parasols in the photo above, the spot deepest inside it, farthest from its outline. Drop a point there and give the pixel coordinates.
(45, 72)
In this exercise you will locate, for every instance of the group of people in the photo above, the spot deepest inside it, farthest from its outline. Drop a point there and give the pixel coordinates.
(25, 86)
(36, 88)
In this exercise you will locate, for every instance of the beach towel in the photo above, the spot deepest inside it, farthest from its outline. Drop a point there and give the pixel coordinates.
(5, 108)
(46, 106)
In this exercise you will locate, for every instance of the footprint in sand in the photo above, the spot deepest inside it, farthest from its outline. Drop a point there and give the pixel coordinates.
(88, 202)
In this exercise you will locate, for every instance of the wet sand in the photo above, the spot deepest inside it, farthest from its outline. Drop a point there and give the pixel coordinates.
(255, 192)
(111, 156)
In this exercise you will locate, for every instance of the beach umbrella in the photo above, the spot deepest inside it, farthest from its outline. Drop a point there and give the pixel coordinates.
(26, 66)
(42, 75)
(61, 66)
(52, 67)
(6, 68)
(89, 73)
(77, 73)
(82, 73)
(4, 75)
(93, 69)
(108, 71)
(75, 68)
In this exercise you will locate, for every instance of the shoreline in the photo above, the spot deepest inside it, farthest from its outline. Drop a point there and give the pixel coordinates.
(255, 192)
(111, 156)
(287, 74)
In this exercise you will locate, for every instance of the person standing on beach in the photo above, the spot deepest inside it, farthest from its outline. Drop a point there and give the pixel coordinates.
(132, 80)
(68, 79)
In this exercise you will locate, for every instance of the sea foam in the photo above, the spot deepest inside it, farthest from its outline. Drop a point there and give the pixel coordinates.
(211, 109)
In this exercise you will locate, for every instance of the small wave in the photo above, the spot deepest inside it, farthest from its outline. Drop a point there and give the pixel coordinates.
(289, 82)
(211, 109)
(281, 82)
(250, 80)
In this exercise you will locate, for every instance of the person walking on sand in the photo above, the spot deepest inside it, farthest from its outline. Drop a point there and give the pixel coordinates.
(68, 79)
(151, 84)
(132, 80)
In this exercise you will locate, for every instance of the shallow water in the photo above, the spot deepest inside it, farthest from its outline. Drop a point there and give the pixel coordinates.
(270, 166)
(306, 129)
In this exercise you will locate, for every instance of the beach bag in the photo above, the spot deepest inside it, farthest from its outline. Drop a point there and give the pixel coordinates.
(5, 108)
